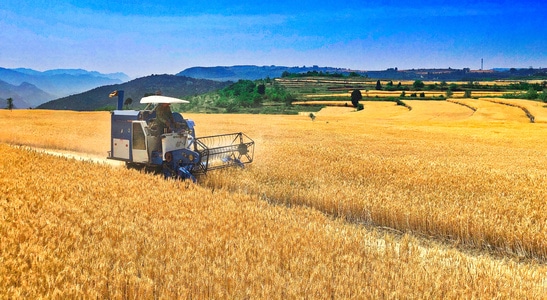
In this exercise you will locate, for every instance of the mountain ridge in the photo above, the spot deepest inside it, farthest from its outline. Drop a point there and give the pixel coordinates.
(253, 72)
(168, 85)
(52, 84)
(24, 95)
(76, 72)
(250, 72)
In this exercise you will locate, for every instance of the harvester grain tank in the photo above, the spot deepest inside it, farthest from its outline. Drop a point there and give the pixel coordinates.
(139, 139)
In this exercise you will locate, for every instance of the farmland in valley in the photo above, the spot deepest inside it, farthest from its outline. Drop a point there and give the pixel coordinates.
(443, 200)
(308, 89)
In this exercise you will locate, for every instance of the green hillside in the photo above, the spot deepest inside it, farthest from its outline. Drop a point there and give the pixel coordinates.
(168, 85)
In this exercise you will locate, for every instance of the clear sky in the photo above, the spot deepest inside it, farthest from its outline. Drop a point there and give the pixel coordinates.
(143, 37)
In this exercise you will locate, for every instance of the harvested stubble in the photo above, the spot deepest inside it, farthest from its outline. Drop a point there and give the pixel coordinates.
(536, 109)
(73, 229)
(488, 110)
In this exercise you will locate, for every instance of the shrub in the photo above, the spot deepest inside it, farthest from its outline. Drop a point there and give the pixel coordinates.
(418, 84)
(543, 96)
(467, 94)
(356, 97)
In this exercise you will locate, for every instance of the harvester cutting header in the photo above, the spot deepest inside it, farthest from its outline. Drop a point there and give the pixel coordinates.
(163, 140)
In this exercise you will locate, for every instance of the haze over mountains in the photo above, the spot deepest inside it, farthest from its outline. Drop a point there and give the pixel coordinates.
(35, 89)
(250, 72)
(30, 88)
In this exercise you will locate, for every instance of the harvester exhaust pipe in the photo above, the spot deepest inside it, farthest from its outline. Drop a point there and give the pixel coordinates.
(120, 98)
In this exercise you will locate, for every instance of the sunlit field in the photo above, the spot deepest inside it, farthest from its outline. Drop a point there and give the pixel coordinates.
(78, 131)
(309, 89)
(443, 200)
(385, 94)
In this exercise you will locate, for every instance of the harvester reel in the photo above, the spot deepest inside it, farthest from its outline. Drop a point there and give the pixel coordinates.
(225, 150)
(242, 149)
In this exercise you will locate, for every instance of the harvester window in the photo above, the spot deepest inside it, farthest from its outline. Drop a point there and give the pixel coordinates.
(138, 137)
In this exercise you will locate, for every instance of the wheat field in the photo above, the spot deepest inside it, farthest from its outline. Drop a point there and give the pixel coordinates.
(441, 201)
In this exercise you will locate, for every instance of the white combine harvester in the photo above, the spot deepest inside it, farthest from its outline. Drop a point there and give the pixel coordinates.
(139, 139)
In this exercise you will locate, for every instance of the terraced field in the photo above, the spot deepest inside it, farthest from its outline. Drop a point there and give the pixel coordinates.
(339, 89)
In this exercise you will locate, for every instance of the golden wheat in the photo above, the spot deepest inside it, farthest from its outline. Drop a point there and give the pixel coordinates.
(78, 131)
(475, 178)
(435, 172)
(537, 110)
(73, 229)
(494, 110)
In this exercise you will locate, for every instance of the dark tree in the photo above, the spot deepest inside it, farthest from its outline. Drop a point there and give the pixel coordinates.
(128, 102)
(10, 103)
(378, 85)
(355, 97)
(261, 89)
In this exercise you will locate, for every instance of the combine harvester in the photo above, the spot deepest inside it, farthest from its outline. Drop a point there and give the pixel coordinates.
(138, 139)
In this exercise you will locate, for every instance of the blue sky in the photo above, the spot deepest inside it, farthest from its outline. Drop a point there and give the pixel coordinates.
(145, 37)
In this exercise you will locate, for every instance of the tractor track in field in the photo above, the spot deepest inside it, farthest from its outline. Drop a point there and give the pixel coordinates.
(76, 155)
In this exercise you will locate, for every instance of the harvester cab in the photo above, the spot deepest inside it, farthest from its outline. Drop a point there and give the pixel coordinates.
(144, 139)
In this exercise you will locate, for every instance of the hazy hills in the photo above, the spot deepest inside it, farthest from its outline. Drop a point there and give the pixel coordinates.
(78, 89)
(24, 95)
(30, 88)
(250, 72)
(75, 72)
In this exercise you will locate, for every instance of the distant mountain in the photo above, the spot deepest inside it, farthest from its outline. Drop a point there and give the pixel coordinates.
(17, 104)
(25, 95)
(169, 85)
(249, 72)
(76, 72)
(57, 83)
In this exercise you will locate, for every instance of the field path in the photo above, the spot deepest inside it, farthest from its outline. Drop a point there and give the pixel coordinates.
(78, 156)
